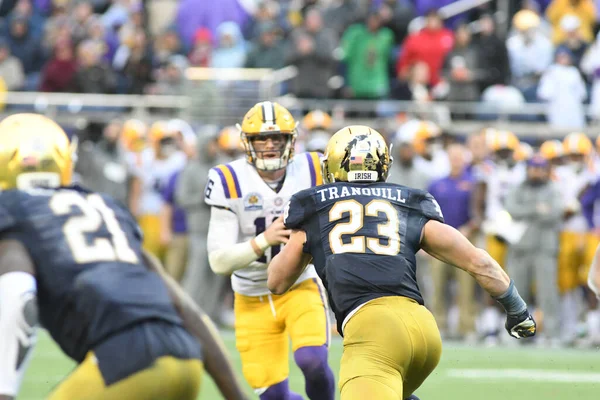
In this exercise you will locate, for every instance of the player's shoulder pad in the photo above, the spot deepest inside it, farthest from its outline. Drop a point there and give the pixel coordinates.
(222, 186)
(429, 206)
(312, 161)
(298, 209)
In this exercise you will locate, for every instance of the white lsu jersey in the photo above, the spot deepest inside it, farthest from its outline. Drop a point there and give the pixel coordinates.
(238, 187)
(155, 174)
(572, 183)
(500, 180)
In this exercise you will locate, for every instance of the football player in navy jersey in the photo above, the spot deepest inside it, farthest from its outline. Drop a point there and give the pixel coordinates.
(362, 235)
(74, 258)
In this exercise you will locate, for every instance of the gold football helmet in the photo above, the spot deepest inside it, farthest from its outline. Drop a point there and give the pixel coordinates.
(229, 140)
(356, 153)
(577, 143)
(163, 139)
(552, 150)
(261, 121)
(134, 135)
(524, 152)
(34, 152)
(317, 119)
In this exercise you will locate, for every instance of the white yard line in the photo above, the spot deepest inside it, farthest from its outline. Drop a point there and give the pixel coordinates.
(538, 375)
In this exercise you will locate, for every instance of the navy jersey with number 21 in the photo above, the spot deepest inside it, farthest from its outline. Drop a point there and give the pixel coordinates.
(363, 239)
(90, 274)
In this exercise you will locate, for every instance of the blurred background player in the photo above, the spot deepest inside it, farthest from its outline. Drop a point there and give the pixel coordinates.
(105, 301)
(230, 145)
(316, 128)
(494, 180)
(554, 152)
(134, 139)
(371, 276)
(427, 142)
(537, 203)
(524, 152)
(206, 287)
(173, 224)
(574, 255)
(247, 199)
(157, 164)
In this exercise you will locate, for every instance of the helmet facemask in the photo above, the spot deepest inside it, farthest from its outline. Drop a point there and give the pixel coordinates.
(269, 151)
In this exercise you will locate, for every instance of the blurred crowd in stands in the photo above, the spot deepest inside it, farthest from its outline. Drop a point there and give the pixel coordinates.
(363, 49)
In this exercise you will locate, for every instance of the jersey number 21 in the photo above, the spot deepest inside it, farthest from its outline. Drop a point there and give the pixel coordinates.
(95, 212)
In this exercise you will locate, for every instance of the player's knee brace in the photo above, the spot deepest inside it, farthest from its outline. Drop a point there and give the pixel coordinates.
(18, 321)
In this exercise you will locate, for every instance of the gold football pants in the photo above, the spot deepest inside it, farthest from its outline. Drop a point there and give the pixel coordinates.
(168, 378)
(391, 345)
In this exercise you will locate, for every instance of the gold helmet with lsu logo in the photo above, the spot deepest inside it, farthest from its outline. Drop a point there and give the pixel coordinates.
(263, 120)
(356, 153)
(34, 152)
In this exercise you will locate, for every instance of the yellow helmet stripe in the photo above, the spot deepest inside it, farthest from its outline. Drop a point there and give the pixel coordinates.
(572, 143)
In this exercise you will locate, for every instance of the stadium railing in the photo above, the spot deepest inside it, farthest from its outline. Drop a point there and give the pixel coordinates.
(221, 97)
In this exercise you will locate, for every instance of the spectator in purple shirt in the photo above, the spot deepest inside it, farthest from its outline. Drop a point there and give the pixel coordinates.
(453, 194)
(173, 231)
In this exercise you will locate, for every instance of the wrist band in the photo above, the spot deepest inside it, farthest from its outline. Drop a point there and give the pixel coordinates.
(261, 242)
(512, 302)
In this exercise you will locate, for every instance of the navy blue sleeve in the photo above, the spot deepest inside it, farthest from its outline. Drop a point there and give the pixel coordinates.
(297, 210)
(9, 201)
(430, 208)
(7, 221)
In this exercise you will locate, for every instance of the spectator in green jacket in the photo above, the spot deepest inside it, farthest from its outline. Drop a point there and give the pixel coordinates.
(367, 50)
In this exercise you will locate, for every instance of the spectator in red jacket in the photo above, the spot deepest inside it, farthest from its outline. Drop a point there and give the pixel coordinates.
(59, 73)
(430, 45)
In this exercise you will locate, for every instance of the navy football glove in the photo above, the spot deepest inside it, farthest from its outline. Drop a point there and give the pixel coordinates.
(521, 326)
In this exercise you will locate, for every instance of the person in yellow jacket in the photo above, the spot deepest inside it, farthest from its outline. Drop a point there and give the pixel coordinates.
(585, 10)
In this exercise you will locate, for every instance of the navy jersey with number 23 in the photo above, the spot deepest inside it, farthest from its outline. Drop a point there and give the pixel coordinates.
(363, 239)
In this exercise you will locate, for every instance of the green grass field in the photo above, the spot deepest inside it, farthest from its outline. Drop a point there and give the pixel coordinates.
(465, 373)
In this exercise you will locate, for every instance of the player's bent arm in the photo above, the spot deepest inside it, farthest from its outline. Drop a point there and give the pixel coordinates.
(225, 255)
(199, 324)
(594, 276)
(447, 244)
(287, 266)
(18, 315)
